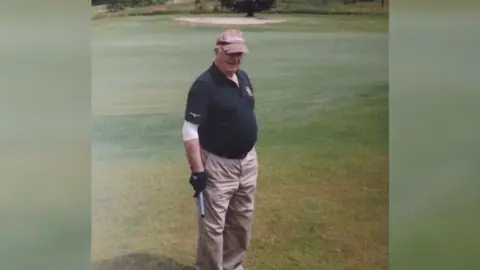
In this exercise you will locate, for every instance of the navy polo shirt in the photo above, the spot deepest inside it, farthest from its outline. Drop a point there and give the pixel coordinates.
(224, 113)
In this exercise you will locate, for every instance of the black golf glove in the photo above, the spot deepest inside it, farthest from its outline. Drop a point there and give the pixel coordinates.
(198, 180)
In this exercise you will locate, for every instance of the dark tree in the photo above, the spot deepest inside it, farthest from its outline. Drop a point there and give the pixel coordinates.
(248, 6)
(100, 2)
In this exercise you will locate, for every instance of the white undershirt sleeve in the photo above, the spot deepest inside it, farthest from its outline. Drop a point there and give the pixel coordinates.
(190, 131)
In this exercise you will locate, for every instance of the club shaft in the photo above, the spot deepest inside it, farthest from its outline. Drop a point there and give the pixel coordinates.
(200, 204)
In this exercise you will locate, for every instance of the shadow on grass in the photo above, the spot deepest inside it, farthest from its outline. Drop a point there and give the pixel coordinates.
(139, 261)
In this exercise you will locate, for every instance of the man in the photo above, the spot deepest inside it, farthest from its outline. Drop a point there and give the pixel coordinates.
(219, 134)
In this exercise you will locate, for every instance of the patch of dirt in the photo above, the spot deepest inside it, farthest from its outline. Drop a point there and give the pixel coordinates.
(228, 20)
(160, 7)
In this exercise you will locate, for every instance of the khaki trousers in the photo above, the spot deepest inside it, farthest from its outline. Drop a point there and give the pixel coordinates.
(224, 233)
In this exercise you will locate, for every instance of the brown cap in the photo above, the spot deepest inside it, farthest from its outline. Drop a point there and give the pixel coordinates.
(232, 41)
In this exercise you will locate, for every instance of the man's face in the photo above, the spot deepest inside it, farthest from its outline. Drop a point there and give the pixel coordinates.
(228, 62)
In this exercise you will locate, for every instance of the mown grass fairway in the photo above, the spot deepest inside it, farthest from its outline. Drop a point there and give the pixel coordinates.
(321, 87)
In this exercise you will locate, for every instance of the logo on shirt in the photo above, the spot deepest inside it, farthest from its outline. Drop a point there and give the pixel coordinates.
(249, 91)
(194, 114)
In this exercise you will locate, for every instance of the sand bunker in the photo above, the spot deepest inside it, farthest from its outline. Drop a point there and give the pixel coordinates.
(228, 20)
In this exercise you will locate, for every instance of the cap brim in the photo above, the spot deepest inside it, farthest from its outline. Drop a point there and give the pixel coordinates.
(236, 48)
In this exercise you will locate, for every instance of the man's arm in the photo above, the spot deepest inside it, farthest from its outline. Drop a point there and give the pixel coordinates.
(192, 146)
(195, 114)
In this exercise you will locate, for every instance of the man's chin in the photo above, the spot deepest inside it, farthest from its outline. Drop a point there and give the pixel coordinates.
(232, 68)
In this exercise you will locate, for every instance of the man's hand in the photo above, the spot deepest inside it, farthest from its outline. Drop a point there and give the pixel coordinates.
(198, 180)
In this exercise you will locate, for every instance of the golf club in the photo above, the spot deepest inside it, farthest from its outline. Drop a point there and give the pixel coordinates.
(200, 204)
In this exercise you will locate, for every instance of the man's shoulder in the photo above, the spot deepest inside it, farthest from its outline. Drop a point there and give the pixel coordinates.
(205, 77)
(203, 80)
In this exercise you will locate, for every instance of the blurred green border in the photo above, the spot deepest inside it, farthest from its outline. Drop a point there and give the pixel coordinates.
(434, 135)
(45, 208)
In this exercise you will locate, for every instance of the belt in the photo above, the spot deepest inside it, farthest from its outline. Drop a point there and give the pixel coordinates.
(242, 156)
(228, 156)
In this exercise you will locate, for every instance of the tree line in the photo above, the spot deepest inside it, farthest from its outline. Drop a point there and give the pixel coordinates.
(248, 7)
(241, 6)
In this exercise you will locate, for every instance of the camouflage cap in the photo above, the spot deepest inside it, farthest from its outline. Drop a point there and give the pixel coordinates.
(232, 41)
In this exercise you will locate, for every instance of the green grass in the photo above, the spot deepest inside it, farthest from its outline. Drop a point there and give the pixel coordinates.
(322, 107)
